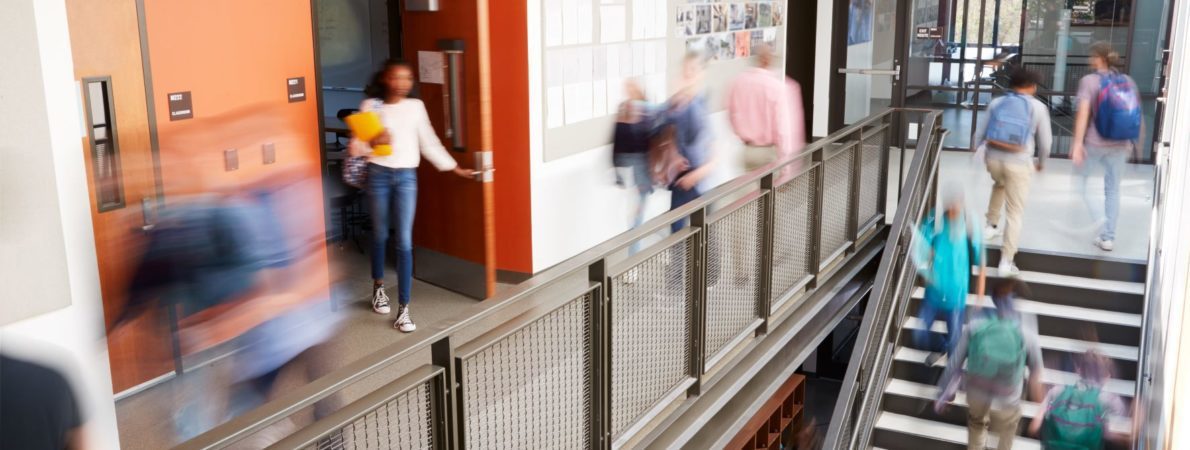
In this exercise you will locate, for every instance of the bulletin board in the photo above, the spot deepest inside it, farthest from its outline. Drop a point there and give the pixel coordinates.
(591, 47)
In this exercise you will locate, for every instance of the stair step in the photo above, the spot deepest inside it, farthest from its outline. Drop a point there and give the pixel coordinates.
(1033, 277)
(1054, 343)
(1051, 377)
(1056, 310)
(1101, 267)
(954, 435)
(1029, 410)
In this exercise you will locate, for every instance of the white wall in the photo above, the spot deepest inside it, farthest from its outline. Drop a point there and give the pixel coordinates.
(822, 68)
(47, 249)
(575, 203)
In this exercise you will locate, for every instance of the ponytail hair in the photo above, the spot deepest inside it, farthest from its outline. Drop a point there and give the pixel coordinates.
(1103, 50)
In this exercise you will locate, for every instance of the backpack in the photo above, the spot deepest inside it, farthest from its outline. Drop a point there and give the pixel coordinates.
(1117, 110)
(1010, 124)
(1074, 420)
(996, 355)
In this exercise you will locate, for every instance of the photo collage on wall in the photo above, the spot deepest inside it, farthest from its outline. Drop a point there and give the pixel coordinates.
(725, 31)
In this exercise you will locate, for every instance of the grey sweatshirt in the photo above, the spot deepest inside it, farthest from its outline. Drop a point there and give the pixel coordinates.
(1043, 136)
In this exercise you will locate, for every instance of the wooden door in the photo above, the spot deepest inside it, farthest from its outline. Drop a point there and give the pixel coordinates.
(105, 41)
(454, 234)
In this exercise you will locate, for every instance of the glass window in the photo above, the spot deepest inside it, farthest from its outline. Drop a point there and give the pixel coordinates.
(105, 154)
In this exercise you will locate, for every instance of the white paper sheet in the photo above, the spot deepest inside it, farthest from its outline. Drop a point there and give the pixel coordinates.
(586, 21)
(569, 22)
(554, 111)
(657, 89)
(578, 102)
(431, 67)
(660, 19)
(570, 68)
(599, 68)
(553, 23)
(599, 98)
(555, 61)
(626, 60)
(612, 60)
(650, 50)
(612, 23)
(638, 59)
(615, 94)
(585, 59)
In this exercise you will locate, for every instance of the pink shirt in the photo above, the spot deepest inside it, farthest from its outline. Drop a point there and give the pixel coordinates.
(765, 108)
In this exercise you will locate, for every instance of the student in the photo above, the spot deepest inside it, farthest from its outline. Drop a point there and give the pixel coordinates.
(954, 246)
(765, 111)
(1016, 128)
(630, 147)
(1107, 128)
(38, 408)
(996, 349)
(1076, 417)
(392, 178)
(687, 112)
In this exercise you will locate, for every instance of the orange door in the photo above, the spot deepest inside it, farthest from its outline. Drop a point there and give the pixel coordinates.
(107, 62)
(454, 234)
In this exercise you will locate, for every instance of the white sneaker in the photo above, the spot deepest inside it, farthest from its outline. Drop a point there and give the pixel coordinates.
(404, 322)
(991, 233)
(1009, 268)
(1107, 246)
(380, 301)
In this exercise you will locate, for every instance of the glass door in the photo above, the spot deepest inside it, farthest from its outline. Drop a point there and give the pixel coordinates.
(868, 69)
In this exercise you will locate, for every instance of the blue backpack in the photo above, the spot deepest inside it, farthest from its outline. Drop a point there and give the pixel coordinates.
(1010, 124)
(1117, 111)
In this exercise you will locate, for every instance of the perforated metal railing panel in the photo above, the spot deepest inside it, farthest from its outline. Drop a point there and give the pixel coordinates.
(533, 388)
(733, 275)
(651, 307)
(836, 201)
(405, 422)
(792, 231)
(872, 154)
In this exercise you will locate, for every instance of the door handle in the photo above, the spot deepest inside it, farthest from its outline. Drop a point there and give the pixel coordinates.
(483, 167)
(895, 72)
(146, 211)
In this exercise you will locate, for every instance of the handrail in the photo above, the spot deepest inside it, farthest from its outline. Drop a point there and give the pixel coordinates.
(854, 405)
(1147, 361)
(438, 337)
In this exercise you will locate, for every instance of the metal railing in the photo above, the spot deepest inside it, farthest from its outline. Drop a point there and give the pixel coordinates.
(859, 399)
(596, 350)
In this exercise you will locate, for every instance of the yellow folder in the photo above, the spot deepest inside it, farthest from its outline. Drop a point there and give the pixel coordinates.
(366, 126)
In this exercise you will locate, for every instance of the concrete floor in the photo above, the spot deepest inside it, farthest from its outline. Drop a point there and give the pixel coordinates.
(146, 419)
(1057, 220)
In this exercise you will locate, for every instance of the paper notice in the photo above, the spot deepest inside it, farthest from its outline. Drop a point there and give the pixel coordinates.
(554, 64)
(612, 23)
(554, 112)
(615, 93)
(553, 23)
(586, 21)
(569, 22)
(599, 98)
(578, 102)
(638, 59)
(431, 67)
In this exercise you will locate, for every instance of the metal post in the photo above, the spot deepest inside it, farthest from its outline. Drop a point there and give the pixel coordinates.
(893, 122)
(447, 420)
(601, 338)
(856, 152)
(816, 219)
(767, 233)
(698, 259)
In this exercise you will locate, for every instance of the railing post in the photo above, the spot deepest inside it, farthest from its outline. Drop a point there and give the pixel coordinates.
(601, 339)
(816, 216)
(698, 287)
(767, 233)
(857, 171)
(448, 420)
(893, 122)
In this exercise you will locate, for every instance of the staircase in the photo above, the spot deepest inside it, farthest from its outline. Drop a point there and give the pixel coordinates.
(1067, 295)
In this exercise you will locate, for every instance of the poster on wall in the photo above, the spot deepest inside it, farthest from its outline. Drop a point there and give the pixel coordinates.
(778, 14)
(765, 15)
(719, 17)
(750, 15)
(724, 47)
(704, 19)
(743, 44)
(859, 22)
(685, 21)
(739, 17)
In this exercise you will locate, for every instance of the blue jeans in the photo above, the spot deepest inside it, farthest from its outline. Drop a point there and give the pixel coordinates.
(677, 198)
(393, 195)
(928, 313)
(1113, 162)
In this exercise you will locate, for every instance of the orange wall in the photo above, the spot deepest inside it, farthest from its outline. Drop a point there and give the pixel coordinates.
(234, 57)
(510, 100)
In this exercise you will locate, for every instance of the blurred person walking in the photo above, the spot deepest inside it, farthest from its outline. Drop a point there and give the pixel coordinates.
(38, 408)
(1076, 417)
(765, 111)
(947, 246)
(1016, 128)
(687, 113)
(1107, 130)
(393, 158)
(635, 127)
(996, 349)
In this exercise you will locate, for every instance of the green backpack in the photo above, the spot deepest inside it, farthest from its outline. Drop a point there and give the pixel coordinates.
(996, 355)
(1074, 420)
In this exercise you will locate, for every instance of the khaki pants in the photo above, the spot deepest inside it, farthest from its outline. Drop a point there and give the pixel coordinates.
(981, 418)
(1009, 191)
(756, 157)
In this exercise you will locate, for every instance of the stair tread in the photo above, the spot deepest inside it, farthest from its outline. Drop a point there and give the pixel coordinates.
(1124, 388)
(1056, 310)
(940, 431)
(1029, 410)
(1114, 351)
(1028, 276)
